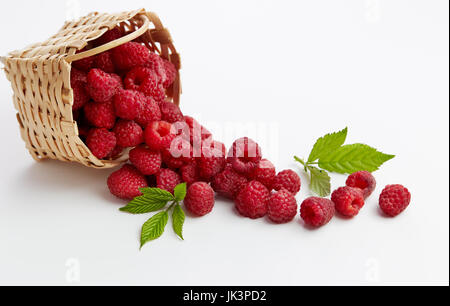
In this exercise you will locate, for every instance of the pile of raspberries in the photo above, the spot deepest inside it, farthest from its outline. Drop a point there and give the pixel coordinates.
(120, 103)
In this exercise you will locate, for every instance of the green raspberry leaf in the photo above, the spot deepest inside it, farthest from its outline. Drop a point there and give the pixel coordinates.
(320, 182)
(352, 158)
(157, 194)
(154, 227)
(180, 192)
(178, 218)
(143, 205)
(327, 144)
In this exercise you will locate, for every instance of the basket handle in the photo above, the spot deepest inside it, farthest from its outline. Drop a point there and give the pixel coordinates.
(112, 44)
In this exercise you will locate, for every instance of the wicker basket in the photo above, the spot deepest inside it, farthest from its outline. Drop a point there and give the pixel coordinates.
(40, 78)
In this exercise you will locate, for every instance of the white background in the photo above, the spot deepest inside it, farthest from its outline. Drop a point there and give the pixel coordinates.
(309, 67)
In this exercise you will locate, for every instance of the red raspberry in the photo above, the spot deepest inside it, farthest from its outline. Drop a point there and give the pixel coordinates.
(244, 155)
(109, 36)
(348, 201)
(228, 183)
(317, 212)
(167, 180)
(101, 142)
(148, 162)
(171, 112)
(77, 76)
(156, 64)
(212, 161)
(179, 153)
(126, 182)
(282, 207)
(251, 201)
(80, 96)
(104, 62)
(130, 55)
(288, 180)
(200, 199)
(159, 135)
(363, 180)
(101, 86)
(128, 133)
(116, 153)
(146, 81)
(134, 78)
(264, 173)
(171, 73)
(84, 64)
(100, 115)
(394, 200)
(189, 173)
(128, 104)
(193, 131)
(149, 113)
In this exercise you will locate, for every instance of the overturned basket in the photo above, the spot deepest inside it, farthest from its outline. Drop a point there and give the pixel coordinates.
(40, 78)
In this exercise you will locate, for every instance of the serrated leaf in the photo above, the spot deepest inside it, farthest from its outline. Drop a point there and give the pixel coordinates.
(320, 182)
(154, 227)
(180, 192)
(352, 158)
(143, 205)
(327, 144)
(157, 194)
(178, 218)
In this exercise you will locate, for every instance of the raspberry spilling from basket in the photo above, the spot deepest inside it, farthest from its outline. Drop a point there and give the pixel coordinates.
(122, 104)
(122, 91)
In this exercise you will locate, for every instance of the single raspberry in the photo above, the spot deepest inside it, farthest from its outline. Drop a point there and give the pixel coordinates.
(264, 173)
(363, 180)
(104, 62)
(146, 81)
(128, 133)
(317, 212)
(212, 161)
(179, 153)
(109, 36)
(394, 200)
(251, 201)
(156, 64)
(130, 55)
(282, 207)
(149, 113)
(189, 173)
(116, 153)
(228, 183)
(101, 86)
(148, 162)
(171, 112)
(101, 142)
(80, 96)
(193, 131)
(200, 199)
(128, 104)
(84, 64)
(289, 180)
(244, 155)
(77, 76)
(159, 135)
(100, 115)
(167, 180)
(171, 73)
(348, 201)
(135, 77)
(126, 182)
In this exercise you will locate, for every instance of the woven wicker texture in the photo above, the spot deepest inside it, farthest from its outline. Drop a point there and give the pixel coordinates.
(40, 78)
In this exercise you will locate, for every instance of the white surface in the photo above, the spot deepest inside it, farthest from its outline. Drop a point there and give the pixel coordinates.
(311, 67)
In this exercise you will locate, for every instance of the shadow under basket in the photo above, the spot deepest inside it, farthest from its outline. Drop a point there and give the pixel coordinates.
(40, 79)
